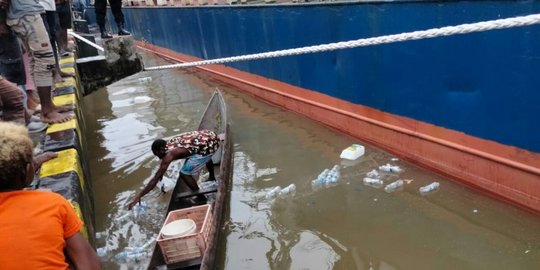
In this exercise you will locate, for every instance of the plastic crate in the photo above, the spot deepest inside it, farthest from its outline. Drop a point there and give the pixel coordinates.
(188, 247)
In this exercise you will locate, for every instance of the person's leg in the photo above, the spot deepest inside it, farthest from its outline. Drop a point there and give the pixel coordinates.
(31, 30)
(51, 20)
(116, 8)
(63, 11)
(100, 7)
(12, 102)
(51, 31)
(193, 166)
(210, 168)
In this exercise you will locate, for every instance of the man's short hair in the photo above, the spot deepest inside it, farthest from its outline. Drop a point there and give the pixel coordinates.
(15, 154)
(158, 145)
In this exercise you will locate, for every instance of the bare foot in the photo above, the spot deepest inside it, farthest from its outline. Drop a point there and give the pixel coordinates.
(55, 117)
(42, 158)
(65, 108)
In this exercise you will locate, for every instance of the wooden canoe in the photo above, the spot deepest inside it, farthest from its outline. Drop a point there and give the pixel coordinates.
(214, 118)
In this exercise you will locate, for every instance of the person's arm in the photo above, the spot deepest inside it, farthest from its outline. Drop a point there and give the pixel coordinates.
(80, 252)
(172, 155)
(4, 29)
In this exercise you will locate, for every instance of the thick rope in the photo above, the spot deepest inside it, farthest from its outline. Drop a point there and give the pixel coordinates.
(85, 40)
(424, 34)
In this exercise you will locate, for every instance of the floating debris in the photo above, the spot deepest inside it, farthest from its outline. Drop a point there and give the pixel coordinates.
(145, 79)
(394, 186)
(390, 168)
(374, 182)
(429, 188)
(373, 174)
(353, 152)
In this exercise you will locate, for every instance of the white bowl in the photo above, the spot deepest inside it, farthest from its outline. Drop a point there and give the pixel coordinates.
(178, 228)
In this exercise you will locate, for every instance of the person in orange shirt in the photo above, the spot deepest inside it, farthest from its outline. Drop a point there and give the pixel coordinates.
(36, 227)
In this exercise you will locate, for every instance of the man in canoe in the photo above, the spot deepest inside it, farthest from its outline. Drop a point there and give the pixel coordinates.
(197, 147)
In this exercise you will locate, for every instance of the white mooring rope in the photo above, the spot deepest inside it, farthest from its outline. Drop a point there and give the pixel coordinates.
(416, 35)
(85, 40)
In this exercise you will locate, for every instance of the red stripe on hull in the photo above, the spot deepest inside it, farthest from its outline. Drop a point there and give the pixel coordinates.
(507, 172)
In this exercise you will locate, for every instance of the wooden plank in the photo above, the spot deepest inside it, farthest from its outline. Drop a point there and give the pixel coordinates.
(195, 193)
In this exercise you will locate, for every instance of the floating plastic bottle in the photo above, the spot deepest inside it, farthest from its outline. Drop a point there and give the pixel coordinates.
(318, 184)
(374, 182)
(145, 80)
(140, 209)
(129, 256)
(323, 175)
(100, 235)
(394, 186)
(373, 174)
(142, 248)
(124, 216)
(102, 252)
(429, 188)
(290, 190)
(333, 176)
(390, 168)
(273, 193)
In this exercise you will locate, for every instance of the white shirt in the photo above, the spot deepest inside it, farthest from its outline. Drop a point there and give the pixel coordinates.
(48, 5)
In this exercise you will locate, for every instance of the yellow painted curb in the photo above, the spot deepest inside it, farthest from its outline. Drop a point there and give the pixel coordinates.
(67, 60)
(70, 70)
(67, 82)
(78, 211)
(67, 161)
(71, 124)
(70, 99)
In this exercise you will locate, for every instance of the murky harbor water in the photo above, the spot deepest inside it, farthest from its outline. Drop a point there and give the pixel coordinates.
(348, 226)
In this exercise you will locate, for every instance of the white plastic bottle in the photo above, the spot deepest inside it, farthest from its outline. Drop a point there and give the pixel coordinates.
(373, 174)
(128, 256)
(322, 176)
(333, 176)
(145, 80)
(429, 188)
(320, 182)
(273, 192)
(374, 182)
(288, 191)
(317, 184)
(390, 168)
(102, 252)
(100, 235)
(394, 186)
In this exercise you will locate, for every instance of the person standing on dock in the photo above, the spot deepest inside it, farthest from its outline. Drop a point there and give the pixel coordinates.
(24, 18)
(197, 147)
(101, 12)
(36, 227)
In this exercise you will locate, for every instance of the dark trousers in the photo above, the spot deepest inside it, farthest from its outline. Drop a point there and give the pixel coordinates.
(101, 11)
(50, 21)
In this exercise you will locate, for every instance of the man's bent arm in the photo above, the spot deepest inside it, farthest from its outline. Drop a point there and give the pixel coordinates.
(165, 162)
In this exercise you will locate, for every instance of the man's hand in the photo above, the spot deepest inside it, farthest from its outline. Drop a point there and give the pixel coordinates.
(133, 203)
